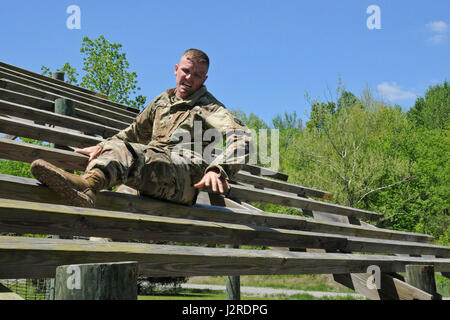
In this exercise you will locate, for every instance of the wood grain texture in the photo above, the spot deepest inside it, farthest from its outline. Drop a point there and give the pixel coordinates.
(30, 90)
(48, 117)
(37, 218)
(48, 105)
(97, 281)
(61, 87)
(245, 177)
(38, 257)
(391, 288)
(30, 190)
(245, 194)
(39, 132)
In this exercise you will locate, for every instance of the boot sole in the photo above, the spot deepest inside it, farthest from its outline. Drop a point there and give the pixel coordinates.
(50, 177)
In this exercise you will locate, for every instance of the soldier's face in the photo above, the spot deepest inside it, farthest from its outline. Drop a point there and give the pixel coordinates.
(190, 76)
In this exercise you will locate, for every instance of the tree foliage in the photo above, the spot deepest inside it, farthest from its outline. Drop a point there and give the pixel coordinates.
(106, 71)
(433, 110)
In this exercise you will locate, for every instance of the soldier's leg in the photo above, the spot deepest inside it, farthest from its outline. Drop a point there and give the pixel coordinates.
(110, 168)
(119, 161)
(163, 178)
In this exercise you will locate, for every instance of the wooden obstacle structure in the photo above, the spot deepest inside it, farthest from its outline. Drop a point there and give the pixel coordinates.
(333, 239)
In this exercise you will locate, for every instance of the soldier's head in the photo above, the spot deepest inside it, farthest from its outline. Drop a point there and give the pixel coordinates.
(191, 72)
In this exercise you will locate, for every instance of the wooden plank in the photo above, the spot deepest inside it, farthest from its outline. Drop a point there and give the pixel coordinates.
(48, 105)
(15, 86)
(38, 257)
(62, 87)
(26, 189)
(245, 194)
(41, 116)
(38, 218)
(26, 152)
(43, 133)
(391, 288)
(422, 277)
(7, 294)
(261, 171)
(257, 181)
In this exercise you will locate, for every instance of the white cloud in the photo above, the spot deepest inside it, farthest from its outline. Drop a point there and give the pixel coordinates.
(437, 26)
(393, 92)
(438, 30)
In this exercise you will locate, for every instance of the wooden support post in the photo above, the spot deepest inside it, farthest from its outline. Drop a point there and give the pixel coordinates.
(97, 281)
(233, 287)
(58, 76)
(422, 277)
(233, 284)
(62, 106)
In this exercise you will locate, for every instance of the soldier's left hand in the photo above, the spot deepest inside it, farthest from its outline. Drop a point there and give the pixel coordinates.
(214, 180)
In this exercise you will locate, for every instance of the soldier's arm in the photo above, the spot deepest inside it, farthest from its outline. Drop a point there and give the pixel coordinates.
(238, 137)
(140, 131)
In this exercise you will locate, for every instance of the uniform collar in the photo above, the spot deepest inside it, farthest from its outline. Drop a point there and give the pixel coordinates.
(191, 100)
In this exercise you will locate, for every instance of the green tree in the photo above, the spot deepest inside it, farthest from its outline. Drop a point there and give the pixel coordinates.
(106, 70)
(433, 110)
(342, 151)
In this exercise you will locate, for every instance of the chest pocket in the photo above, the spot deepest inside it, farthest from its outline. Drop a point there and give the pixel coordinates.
(166, 123)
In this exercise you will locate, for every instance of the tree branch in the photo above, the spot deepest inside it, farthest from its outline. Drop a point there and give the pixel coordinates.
(385, 187)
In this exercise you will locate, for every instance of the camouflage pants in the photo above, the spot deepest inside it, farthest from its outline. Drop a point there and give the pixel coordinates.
(153, 171)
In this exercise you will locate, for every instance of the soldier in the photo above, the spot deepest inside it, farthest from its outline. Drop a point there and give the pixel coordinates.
(149, 156)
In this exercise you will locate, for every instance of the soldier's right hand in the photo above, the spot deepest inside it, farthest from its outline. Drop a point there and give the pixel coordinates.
(92, 152)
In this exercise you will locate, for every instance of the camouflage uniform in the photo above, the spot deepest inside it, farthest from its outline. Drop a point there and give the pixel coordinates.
(149, 156)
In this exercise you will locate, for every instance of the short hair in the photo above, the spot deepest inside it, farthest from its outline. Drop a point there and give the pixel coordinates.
(197, 55)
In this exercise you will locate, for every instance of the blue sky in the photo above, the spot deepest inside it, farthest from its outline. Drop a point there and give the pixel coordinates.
(264, 54)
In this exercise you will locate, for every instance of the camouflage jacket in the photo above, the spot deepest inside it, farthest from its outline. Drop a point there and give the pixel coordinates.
(181, 125)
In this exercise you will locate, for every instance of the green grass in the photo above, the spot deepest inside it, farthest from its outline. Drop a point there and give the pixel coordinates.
(205, 294)
(309, 282)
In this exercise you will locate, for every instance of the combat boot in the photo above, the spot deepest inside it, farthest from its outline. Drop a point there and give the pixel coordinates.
(76, 190)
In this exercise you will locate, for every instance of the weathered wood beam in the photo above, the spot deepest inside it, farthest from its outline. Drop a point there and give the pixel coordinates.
(26, 189)
(7, 294)
(279, 185)
(62, 87)
(22, 257)
(245, 194)
(19, 87)
(56, 135)
(261, 171)
(47, 105)
(38, 218)
(42, 116)
(390, 288)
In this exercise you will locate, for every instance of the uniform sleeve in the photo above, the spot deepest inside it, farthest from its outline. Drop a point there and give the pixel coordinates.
(140, 131)
(238, 137)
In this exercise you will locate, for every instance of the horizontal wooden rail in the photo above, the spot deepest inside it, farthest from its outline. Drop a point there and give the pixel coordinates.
(261, 171)
(22, 257)
(245, 194)
(42, 116)
(237, 192)
(49, 105)
(26, 152)
(257, 181)
(79, 91)
(27, 189)
(19, 87)
(55, 135)
(38, 218)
